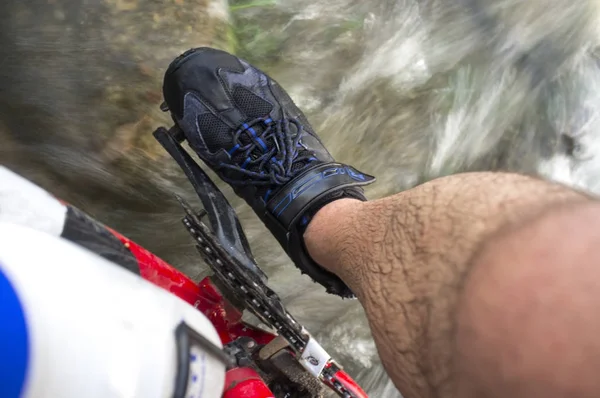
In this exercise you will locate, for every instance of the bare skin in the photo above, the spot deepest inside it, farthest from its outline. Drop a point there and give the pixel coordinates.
(475, 285)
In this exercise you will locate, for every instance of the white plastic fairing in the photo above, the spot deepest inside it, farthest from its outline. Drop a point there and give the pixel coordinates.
(95, 330)
(24, 203)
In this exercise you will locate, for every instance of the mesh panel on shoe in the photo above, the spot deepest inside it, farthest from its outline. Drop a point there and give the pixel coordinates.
(251, 104)
(216, 134)
(298, 166)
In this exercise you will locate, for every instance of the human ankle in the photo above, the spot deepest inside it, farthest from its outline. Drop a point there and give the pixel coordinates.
(329, 228)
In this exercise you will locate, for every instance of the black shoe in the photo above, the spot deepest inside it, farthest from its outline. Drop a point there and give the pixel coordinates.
(245, 127)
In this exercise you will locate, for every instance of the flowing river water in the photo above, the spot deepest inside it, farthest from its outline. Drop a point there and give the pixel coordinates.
(407, 90)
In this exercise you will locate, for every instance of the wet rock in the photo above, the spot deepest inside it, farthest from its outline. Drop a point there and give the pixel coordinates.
(80, 87)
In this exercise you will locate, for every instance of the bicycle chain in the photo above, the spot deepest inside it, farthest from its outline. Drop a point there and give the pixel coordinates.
(256, 296)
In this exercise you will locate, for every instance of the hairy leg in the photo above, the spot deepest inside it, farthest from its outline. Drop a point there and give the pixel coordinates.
(528, 324)
(420, 264)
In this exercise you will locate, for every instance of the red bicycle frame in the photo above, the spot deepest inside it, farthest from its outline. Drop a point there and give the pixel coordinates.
(204, 296)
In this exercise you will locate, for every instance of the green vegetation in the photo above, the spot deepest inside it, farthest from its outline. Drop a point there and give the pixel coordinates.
(255, 39)
(242, 5)
(259, 30)
(257, 45)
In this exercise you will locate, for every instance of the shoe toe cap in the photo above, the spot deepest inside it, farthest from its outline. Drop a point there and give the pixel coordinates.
(196, 70)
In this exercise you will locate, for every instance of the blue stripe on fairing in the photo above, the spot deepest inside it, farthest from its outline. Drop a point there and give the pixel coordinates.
(14, 341)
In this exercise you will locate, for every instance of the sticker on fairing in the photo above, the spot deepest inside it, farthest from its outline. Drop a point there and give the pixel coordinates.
(192, 351)
(197, 373)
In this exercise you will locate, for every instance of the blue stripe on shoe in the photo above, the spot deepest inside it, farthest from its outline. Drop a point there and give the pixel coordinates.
(256, 137)
(235, 148)
(246, 162)
(279, 162)
(267, 195)
(262, 144)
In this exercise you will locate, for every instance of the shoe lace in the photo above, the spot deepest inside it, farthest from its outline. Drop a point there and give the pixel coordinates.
(272, 154)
